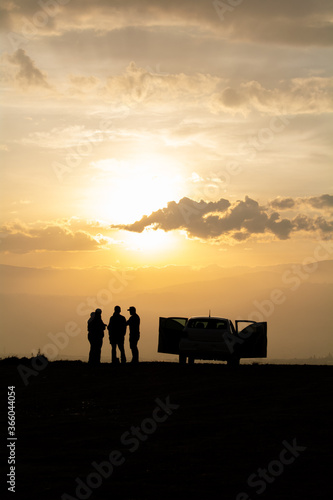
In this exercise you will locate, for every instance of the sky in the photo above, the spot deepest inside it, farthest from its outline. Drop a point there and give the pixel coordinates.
(118, 118)
(158, 133)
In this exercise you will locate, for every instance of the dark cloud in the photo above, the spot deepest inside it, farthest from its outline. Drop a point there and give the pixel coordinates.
(300, 22)
(304, 223)
(28, 74)
(17, 238)
(232, 98)
(324, 225)
(324, 201)
(299, 95)
(240, 220)
(283, 203)
(179, 216)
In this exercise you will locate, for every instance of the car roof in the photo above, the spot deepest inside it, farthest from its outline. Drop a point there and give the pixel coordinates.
(209, 317)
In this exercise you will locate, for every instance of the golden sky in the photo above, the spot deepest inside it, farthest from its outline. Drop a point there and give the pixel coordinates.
(181, 132)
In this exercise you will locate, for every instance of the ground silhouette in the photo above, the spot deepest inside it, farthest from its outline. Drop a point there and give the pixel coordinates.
(225, 425)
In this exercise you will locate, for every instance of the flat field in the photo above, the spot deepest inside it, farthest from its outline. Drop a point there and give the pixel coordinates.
(165, 431)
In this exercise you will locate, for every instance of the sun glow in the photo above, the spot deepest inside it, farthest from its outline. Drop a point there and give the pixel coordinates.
(124, 191)
(150, 241)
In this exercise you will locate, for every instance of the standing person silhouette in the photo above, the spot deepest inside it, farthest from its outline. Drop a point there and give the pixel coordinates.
(96, 329)
(117, 331)
(134, 327)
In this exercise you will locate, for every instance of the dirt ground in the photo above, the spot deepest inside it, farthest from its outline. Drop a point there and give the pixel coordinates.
(165, 431)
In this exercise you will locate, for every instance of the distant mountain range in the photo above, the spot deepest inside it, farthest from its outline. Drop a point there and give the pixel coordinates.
(295, 303)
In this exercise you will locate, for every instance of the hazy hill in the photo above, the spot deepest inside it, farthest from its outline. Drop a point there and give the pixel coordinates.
(89, 281)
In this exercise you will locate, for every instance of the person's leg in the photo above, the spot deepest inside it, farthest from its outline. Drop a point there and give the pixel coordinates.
(91, 350)
(122, 350)
(114, 358)
(134, 349)
(91, 354)
(137, 351)
(98, 351)
(95, 353)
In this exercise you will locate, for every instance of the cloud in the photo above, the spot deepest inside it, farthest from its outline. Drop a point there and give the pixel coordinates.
(178, 216)
(301, 22)
(322, 202)
(19, 238)
(83, 84)
(304, 223)
(283, 203)
(215, 220)
(21, 202)
(297, 96)
(62, 137)
(28, 74)
(137, 84)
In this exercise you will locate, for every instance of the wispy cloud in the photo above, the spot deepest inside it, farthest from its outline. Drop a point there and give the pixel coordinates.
(28, 74)
(137, 84)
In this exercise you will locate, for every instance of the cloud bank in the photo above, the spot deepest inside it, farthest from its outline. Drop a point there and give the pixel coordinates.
(212, 222)
(239, 220)
(19, 238)
(301, 22)
(143, 86)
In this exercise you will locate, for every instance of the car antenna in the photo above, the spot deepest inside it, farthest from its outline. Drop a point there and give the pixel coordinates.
(209, 312)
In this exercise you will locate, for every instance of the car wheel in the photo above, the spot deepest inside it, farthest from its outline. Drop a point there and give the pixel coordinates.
(182, 359)
(233, 362)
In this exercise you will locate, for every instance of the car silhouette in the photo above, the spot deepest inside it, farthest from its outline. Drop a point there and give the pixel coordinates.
(212, 338)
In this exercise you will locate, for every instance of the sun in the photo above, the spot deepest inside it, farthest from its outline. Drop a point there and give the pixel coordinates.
(150, 241)
(124, 191)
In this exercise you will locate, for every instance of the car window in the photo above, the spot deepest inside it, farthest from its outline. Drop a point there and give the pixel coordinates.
(208, 324)
(232, 327)
(221, 325)
(175, 323)
(197, 323)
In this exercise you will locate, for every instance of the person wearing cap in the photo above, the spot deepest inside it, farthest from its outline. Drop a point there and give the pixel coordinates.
(96, 329)
(134, 327)
(117, 331)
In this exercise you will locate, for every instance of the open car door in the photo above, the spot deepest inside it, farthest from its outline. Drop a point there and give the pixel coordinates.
(170, 330)
(252, 339)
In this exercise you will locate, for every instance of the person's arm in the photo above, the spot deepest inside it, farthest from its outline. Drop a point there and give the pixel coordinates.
(101, 324)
